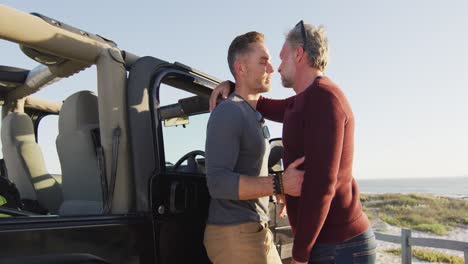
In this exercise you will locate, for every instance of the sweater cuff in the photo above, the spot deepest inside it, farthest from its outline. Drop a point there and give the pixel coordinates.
(300, 253)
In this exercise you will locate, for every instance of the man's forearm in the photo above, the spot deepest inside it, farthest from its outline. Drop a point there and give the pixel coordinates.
(255, 187)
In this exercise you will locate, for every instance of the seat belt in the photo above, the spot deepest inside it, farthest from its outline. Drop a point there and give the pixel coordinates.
(115, 157)
(96, 135)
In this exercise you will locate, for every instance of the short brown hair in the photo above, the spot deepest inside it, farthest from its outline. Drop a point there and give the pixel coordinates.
(240, 46)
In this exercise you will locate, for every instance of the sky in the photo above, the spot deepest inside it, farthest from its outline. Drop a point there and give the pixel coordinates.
(402, 64)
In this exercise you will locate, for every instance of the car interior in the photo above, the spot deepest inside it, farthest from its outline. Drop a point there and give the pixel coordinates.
(79, 148)
(132, 149)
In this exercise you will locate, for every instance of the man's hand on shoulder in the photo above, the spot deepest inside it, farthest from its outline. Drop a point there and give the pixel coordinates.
(223, 90)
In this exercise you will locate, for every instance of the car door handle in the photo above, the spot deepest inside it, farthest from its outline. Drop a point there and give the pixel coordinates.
(172, 198)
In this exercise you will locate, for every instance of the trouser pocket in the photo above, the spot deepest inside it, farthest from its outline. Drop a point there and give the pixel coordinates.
(365, 257)
(243, 243)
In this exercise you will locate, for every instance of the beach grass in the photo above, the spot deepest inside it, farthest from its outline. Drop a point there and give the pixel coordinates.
(428, 255)
(422, 212)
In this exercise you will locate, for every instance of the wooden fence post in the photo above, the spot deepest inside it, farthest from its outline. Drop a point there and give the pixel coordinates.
(465, 253)
(405, 246)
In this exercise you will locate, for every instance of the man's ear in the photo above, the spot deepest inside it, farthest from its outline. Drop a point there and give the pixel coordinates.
(299, 52)
(239, 67)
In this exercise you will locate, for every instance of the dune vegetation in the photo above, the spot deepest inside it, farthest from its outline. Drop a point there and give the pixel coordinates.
(427, 213)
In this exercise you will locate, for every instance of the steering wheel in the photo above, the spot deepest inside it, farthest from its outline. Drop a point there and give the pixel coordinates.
(190, 158)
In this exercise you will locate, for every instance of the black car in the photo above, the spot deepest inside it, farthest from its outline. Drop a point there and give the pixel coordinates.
(132, 187)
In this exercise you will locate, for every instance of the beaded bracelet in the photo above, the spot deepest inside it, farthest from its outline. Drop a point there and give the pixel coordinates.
(280, 177)
(278, 184)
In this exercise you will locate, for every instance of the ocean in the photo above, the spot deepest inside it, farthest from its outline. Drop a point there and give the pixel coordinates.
(448, 186)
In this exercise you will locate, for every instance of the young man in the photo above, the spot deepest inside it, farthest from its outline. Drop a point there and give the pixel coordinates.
(328, 222)
(237, 151)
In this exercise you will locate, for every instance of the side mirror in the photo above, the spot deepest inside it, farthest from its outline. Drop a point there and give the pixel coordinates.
(275, 160)
(181, 120)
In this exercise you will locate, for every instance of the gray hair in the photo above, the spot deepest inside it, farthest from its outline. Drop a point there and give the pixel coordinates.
(316, 46)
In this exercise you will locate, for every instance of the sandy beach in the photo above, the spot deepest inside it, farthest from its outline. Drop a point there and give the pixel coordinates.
(456, 234)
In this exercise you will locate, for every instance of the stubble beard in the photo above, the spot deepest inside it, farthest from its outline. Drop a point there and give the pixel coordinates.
(286, 82)
(263, 87)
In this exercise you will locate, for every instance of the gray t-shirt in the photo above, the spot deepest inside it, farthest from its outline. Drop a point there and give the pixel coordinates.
(235, 145)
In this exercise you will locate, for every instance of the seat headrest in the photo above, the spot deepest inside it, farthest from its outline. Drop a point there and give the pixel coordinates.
(276, 153)
(78, 110)
(18, 127)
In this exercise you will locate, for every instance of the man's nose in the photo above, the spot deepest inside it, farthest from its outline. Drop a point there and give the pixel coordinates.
(270, 69)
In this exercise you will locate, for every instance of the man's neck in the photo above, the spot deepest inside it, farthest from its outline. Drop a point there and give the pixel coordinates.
(305, 78)
(247, 94)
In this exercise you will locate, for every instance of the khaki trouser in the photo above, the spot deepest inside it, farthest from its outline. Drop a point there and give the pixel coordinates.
(240, 244)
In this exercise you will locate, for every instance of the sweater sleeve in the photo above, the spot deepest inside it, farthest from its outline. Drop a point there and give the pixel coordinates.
(273, 109)
(324, 123)
(223, 137)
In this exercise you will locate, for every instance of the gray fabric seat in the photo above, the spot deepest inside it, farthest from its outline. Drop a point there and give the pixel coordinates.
(25, 163)
(81, 181)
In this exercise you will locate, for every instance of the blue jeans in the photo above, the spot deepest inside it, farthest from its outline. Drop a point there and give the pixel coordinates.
(359, 249)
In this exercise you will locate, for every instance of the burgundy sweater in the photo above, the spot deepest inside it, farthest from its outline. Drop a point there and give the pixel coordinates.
(319, 124)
